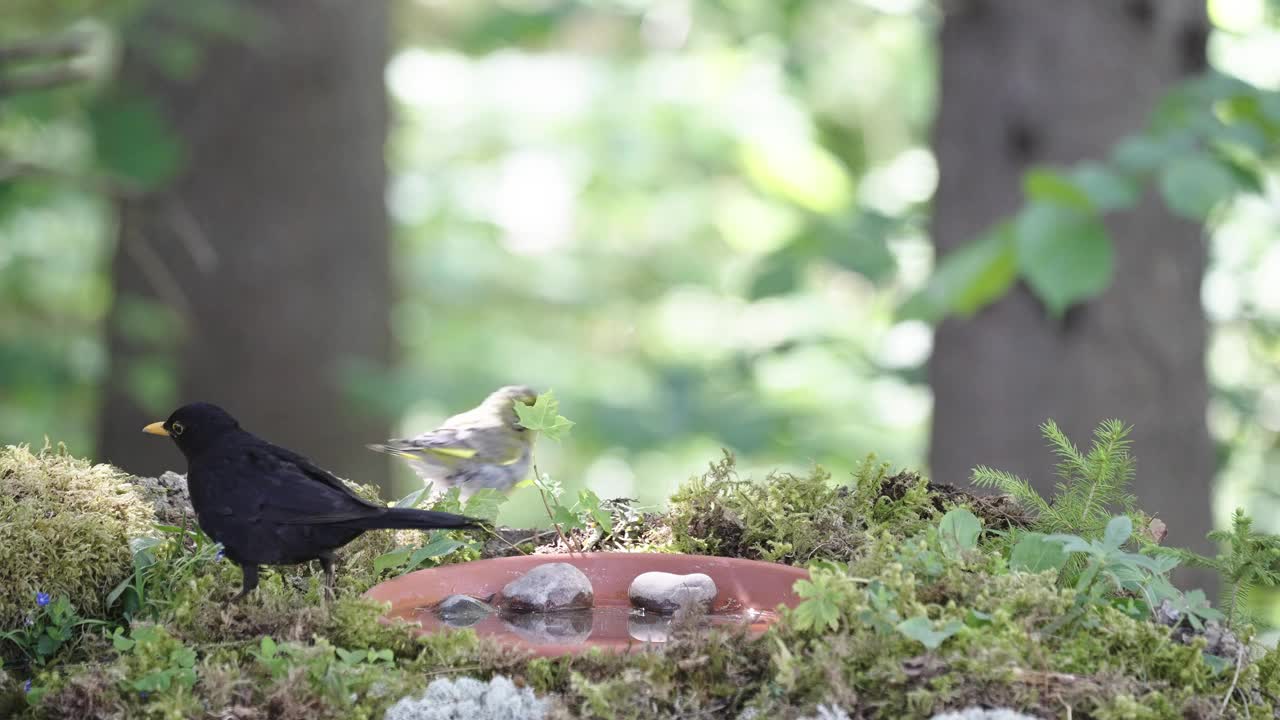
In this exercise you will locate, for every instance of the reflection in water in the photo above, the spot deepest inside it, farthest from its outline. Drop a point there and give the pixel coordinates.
(607, 626)
(564, 627)
(649, 627)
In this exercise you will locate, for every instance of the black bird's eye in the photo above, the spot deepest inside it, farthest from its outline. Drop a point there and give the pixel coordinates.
(177, 429)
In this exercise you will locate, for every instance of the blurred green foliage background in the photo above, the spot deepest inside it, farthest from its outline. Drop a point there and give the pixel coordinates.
(694, 219)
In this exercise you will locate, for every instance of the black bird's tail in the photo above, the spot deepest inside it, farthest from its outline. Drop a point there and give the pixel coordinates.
(413, 519)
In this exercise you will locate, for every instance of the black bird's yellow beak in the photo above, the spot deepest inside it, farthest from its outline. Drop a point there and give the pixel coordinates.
(155, 428)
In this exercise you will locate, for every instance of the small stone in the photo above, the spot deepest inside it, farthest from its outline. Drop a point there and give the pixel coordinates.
(666, 592)
(463, 610)
(548, 588)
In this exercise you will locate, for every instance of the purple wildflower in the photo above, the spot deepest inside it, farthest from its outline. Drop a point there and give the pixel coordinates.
(218, 556)
(26, 686)
(42, 599)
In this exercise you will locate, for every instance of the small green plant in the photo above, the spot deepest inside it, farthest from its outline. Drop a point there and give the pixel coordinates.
(1112, 576)
(928, 633)
(958, 532)
(441, 545)
(158, 663)
(162, 565)
(1091, 485)
(823, 594)
(544, 417)
(1250, 559)
(52, 624)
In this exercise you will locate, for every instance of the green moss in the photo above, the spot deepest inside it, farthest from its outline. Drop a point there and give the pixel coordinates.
(65, 526)
(793, 518)
(883, 563)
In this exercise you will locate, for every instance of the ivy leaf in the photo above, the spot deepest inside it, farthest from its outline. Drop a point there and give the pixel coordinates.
(1194, 184)
(1034, 553)
(544, 416)
(921, 630)
(1065, 255)
(484, 504)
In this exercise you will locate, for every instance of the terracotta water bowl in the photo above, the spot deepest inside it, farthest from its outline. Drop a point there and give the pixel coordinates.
(749, 592)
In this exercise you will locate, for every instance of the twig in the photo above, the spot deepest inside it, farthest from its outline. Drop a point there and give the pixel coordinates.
(1226, 699)
(495, 533)
(541, 493)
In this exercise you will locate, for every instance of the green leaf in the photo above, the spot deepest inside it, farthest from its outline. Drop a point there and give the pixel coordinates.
(1117, 532)
(450, 502)
(544, 416)
(959, 530)
(134, 141)
(603, 519)
(392, 559)
(1105, 188)
(439, 546)
(120, 642)
(817, 611)
(1192, 185)
(1034, 553)
(267, 647)
(921, 630)
(1041, 184)
(412, 499)
(968, 278)
(565, 518)
(1065, 255)
(778, 273)
(1140, 154)
(484, 504)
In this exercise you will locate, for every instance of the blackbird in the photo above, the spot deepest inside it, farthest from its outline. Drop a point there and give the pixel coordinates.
(271, 506)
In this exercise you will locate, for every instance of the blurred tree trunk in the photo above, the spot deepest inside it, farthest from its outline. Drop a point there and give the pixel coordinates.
(1039, 82)
(272, 244)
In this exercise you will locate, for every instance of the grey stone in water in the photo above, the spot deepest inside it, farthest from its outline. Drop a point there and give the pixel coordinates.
(548, 588)
(568, 627)
(462, 610)
(666, 593)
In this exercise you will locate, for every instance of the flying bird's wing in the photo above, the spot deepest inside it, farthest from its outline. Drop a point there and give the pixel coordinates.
(449, 447)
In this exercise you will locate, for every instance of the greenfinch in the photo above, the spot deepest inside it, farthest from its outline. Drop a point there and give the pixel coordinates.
(485, 447)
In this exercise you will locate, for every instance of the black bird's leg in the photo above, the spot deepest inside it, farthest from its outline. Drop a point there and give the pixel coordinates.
(327, 560)
(250, 582)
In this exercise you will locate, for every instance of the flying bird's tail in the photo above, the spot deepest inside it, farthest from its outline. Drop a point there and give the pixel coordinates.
(412, 519)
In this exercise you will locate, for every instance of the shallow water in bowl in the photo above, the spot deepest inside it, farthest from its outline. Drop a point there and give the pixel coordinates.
(610, 626)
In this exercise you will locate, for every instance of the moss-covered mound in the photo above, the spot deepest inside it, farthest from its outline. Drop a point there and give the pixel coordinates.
(65, 526)
(921, 600)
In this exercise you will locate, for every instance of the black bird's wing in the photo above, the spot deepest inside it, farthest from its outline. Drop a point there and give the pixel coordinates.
(304, 493)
